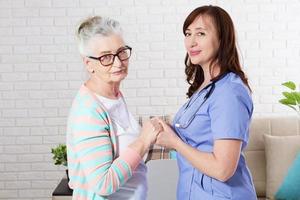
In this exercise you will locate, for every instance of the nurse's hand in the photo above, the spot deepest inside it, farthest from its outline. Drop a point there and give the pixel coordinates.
(147, 137)
(167, 137)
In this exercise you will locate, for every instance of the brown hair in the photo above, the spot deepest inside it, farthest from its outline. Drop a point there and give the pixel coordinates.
(227, 55)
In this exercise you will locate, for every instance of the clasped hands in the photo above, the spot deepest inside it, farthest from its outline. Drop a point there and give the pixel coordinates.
(164, 134)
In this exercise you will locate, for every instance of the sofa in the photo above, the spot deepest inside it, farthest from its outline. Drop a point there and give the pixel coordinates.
(269, 154)
(273, 144)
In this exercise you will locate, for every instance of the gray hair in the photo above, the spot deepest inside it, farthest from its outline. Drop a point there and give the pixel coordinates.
(95, 26)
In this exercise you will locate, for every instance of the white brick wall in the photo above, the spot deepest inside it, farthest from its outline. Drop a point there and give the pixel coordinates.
(40, 70)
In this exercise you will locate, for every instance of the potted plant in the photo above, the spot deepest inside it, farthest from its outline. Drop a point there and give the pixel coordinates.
(60, 156)
(292, 97)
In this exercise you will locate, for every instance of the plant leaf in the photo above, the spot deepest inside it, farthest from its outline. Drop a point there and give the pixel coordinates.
(296, 96)
(290, 85)
(288, 101)
(60, 155)
(288, 95)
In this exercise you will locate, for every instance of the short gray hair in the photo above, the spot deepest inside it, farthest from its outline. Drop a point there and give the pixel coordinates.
(95, 26)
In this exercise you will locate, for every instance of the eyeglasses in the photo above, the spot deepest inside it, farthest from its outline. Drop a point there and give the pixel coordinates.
(108, 59)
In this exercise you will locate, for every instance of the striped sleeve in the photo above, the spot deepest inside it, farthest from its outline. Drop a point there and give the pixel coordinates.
(91, 159)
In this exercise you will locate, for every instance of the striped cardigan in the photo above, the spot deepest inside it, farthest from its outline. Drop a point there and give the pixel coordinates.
(94, 169)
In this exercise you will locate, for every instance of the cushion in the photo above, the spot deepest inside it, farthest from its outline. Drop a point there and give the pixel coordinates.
(280, 154)
(291, 184)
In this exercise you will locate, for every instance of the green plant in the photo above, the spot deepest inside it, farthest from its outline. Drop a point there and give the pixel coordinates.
(60, 155)
(292, 98)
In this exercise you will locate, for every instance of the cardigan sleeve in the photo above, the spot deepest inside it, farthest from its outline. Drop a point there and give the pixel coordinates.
(91, 158)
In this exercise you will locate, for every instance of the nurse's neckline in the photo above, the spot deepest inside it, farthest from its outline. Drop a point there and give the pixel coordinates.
(209, 84)
(201, 88)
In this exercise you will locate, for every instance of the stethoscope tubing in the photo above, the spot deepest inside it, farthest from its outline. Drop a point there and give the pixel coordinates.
(189, 104)
(208, 94)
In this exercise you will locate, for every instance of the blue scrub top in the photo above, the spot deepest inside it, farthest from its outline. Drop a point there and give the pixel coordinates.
(225, 115)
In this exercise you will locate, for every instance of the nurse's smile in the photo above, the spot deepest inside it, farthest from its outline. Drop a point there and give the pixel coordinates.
(194, 53)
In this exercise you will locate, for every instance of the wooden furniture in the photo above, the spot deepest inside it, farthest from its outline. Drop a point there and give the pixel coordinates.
(62, 191)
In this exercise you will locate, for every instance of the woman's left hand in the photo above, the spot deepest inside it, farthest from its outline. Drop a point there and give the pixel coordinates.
(167, 137)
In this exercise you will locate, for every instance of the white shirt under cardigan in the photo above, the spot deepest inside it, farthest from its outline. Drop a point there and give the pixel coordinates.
(127, 130)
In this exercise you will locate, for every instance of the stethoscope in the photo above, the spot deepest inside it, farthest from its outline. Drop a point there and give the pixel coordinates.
(192, 100)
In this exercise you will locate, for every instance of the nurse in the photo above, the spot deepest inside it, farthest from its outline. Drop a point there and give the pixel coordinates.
(211, 129)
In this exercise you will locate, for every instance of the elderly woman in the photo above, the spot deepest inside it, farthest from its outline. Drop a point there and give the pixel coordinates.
(105, 143)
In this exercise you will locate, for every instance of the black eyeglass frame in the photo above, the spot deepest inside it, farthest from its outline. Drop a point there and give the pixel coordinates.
(114, 56)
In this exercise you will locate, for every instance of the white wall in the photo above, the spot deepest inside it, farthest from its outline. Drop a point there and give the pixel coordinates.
(40, 70)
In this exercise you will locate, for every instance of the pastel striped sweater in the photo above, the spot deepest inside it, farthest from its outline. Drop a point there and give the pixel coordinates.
(94, 170)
